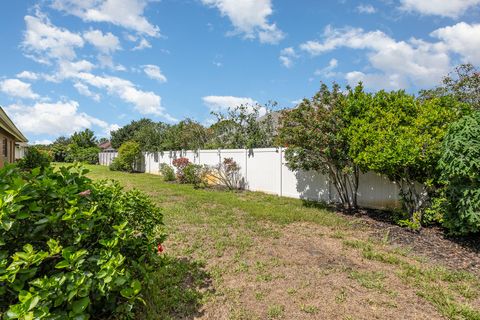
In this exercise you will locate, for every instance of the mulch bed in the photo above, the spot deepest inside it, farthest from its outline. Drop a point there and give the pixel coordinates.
(459, 253)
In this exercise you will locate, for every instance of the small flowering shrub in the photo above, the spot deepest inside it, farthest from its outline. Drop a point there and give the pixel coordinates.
(167, 172)
(72, 248)
(180, 164)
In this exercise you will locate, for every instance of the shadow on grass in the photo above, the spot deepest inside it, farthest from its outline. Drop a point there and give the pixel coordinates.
(177, 290)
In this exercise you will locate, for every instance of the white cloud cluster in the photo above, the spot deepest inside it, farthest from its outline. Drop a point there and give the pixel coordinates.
(250, 18)
(399, 64)
(128, 14)
(28, 75)
(59, 118)
(225, 103)
(287, 55)
(43, 41)
(328, 71)
(85, 91)
(444, 8)
(154, 72)
(145, 102)
(366, 8)
(106, 43)
(17, 89)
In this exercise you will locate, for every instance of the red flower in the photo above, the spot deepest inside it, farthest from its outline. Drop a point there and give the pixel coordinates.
(159, 248)
(85, 193)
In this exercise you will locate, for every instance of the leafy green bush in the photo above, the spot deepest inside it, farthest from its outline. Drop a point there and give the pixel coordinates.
(128, 155)
(34, 158)
(82, 154)
(194, 174)
(71, 247)
(460, 167)
(167, 172)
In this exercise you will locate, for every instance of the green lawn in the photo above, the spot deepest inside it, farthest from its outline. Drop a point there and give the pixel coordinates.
(249, 255)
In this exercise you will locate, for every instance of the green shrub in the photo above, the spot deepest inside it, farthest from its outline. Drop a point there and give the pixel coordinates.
(194, 174)
(81, 154)
(73, 248)
(167, 172)
(460, 167)
(128, 155)
(34, 158)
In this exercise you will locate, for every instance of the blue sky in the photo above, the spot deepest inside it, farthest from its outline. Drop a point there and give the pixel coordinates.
(68, 65)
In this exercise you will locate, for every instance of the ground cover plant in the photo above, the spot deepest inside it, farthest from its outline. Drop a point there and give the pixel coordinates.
(246, 255)
(73, 248)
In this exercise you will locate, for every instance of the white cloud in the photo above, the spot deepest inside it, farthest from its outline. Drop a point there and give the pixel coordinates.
(43, 142)
(366, 8)
(85, 90)
(56, 119)
(43, 41)
(225, 103)
(143, 44)
(398, 64)
(106, 43)
(18, 89)
(463, 39)
(27, 75)
(287, 55)
(145, 102)
(328, 70)
(128, 14)
(444, 8)
(250, 18)
(154, 72)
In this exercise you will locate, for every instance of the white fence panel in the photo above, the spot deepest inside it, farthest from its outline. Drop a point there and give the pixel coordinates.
(265, 170)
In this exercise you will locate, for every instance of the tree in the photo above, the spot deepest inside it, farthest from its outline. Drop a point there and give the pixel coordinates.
(185, 135)
(463, 84)
(243, 127)
(59, 148)
(460, 168)
(127, 132)
(399, 136)
(315, 136)
(84, 139)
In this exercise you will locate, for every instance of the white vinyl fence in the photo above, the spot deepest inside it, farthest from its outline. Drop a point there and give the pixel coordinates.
(265, 170)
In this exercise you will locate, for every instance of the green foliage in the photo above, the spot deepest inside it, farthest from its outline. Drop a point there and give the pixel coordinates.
(75, 153)
(128, 155)
(399, 136)
(460, 167)
(59, 149)
(127, 133)
(84, 139)
(34, 158)
(463, 84)
(315, 134)
(194, 174)
(73, 248)
(167, 172)
(243, 127)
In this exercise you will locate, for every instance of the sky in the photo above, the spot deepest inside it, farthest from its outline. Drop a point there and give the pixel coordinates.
(68, 65)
